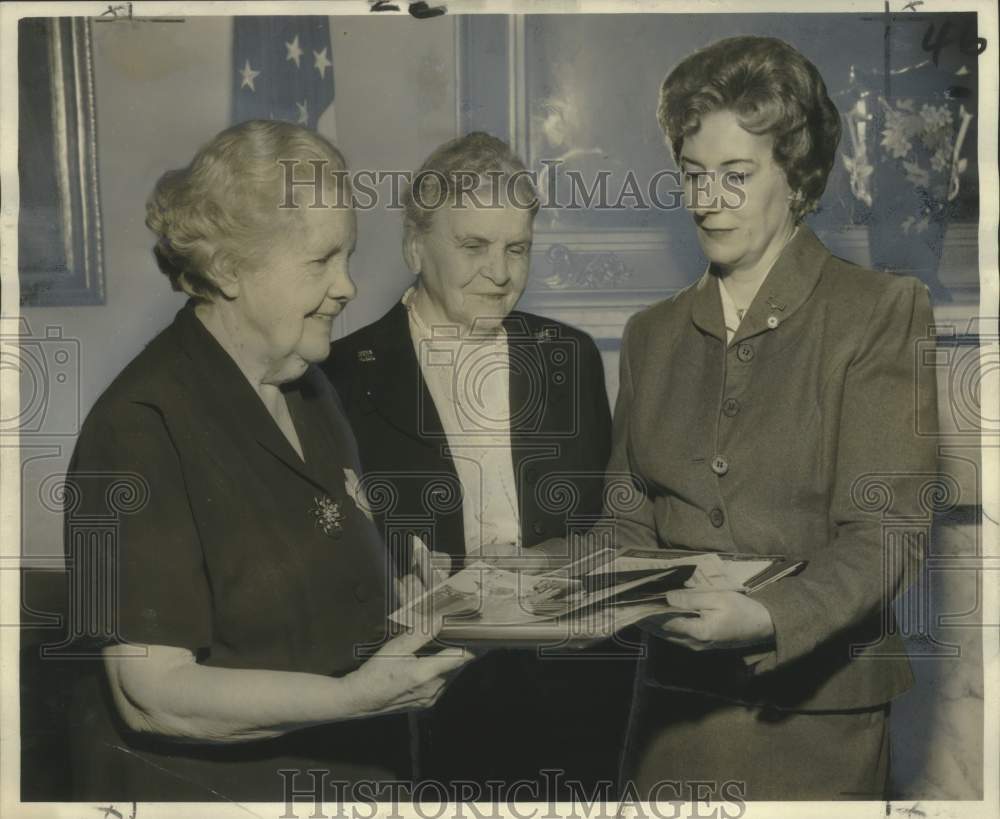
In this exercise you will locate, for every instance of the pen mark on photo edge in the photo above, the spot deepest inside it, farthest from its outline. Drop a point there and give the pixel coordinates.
(167, 771)
(422, 11)
(417, 8)
(111, 811)
(912, 810)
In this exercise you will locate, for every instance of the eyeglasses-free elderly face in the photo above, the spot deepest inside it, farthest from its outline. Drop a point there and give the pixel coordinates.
(287, 301)
(473, 264)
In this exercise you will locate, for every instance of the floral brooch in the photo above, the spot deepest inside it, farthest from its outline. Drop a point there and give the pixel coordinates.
(328, 516)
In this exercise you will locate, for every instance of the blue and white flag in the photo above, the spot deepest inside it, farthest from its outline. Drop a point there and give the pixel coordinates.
(282, 69)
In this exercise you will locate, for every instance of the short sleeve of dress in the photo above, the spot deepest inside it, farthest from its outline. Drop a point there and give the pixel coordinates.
(132, 545)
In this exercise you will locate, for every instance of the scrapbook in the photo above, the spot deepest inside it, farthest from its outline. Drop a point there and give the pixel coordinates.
(584, 601)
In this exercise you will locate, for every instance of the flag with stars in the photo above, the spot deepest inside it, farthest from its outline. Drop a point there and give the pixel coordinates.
(282, 69)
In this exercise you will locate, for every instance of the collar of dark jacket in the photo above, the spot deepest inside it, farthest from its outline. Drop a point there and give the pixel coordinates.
(395, 386)
(219, 380)
(788, 285)
(393, 383)
(539, 386)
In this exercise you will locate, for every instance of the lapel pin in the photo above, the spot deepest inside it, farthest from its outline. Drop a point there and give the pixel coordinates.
(774, 304)
(328, 516)
(356, 492)
(366, 356)
(772, 321)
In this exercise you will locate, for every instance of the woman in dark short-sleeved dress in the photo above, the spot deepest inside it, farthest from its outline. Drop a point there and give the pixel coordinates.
(250, 576)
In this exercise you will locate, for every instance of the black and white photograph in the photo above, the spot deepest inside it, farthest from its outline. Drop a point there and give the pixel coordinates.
(538, 409)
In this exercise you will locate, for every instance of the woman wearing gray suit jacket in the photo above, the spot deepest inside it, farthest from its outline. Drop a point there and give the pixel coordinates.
(758, 408)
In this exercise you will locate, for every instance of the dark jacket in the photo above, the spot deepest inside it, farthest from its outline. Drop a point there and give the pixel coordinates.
(510, 714)
(798, 439)
(215, 546)
(560, 435)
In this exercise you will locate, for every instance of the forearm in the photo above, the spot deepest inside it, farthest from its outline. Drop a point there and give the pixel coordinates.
(189, 701)
(885, 471)
(850, 581)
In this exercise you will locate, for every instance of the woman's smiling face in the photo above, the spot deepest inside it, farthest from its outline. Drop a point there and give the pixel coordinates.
(288, 300)
(473, 263)
(719, 158)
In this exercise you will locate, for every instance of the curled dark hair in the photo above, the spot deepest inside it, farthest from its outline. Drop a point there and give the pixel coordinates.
(772, 89)
(477, 156)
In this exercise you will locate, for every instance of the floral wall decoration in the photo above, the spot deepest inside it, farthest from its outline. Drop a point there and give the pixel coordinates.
(927, 142)
(907, 155)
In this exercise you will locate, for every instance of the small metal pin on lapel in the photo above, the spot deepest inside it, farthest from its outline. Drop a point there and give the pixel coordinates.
(328, 516)
(366, 356)
(356, 492)
(774, 304)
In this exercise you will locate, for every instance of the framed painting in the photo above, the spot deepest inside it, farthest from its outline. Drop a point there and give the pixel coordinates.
(60, 259)
(612, 235)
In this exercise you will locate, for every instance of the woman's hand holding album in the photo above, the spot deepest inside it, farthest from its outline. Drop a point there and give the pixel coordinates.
(725, 619)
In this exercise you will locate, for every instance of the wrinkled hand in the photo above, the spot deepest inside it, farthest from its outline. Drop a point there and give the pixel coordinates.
(409, 588)
(425, 571)
(394, 679)
(726, 619)
(431, 567)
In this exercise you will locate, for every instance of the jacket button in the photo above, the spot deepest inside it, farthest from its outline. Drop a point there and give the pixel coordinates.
(720, 466)
(731, 407)
(716, 517)
(538, 528)
(744, 351)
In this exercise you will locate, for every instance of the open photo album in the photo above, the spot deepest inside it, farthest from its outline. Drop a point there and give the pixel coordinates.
(584, 601)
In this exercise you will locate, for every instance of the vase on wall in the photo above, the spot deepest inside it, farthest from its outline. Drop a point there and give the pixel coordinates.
(904, 244)
(906, 170)
(916, 182)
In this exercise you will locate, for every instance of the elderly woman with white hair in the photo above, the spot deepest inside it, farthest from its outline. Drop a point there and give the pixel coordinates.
(251, 579)
(455, 394)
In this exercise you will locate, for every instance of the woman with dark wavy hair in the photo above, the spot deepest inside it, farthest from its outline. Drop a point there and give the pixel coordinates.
(755, 407)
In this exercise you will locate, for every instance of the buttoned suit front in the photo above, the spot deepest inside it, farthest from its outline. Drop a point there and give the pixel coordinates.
(809, 435)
